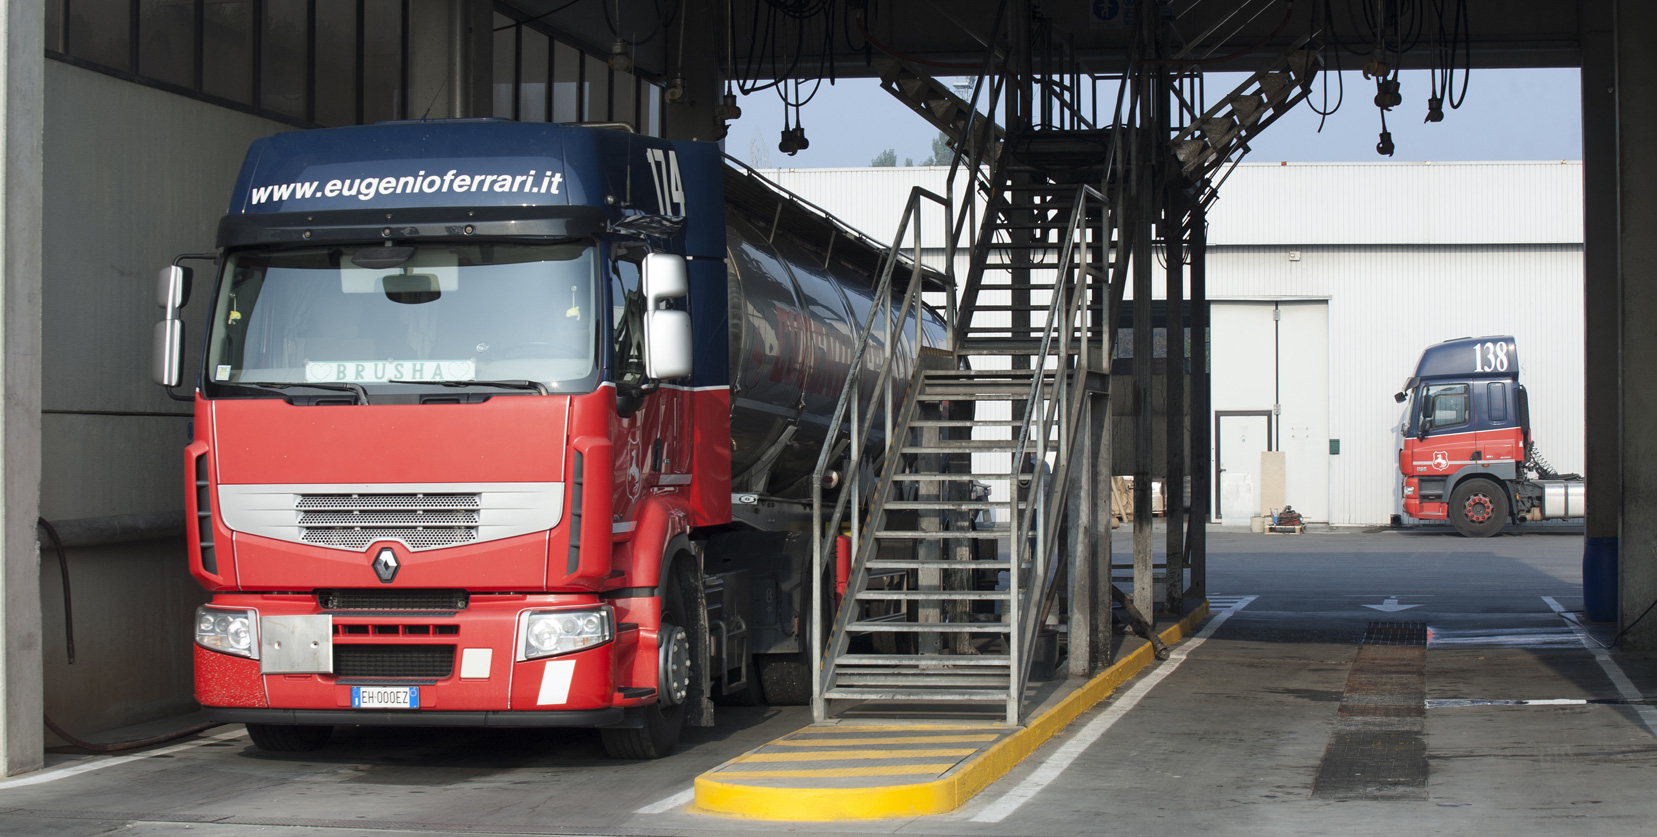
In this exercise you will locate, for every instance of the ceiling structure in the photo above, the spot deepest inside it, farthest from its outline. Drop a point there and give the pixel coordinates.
(808, 39)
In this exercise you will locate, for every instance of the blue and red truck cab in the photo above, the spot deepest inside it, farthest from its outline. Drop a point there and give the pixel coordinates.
(462, 425)
(1467, 455)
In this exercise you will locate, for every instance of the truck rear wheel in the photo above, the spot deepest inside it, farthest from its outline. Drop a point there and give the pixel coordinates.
(1478, 508)
(663, 720)
(278, 738)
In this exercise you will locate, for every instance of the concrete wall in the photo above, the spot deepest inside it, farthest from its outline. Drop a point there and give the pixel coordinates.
(134, 176)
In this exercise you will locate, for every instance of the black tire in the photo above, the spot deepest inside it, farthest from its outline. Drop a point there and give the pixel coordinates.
(1478, 508)
(662, 723)
(275, 738)
(785, 679)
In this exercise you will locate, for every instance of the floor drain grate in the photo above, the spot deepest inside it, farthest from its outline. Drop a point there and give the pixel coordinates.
(1396, 633)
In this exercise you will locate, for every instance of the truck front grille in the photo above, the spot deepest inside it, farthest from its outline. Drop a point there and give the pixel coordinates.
(393, 599)
(426, 662)
(421, 521)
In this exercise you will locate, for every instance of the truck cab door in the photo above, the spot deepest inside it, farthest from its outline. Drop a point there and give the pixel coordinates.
(1446, 438)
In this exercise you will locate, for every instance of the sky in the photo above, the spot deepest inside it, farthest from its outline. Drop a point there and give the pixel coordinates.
(1507, 115)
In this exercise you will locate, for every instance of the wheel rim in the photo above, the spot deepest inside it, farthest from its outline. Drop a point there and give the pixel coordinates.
(674, 665)
(1478, 508)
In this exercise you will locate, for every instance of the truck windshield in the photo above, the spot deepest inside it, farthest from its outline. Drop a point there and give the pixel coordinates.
(437, 313)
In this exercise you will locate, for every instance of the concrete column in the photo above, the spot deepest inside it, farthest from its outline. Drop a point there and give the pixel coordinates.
(21, 100)
(1601, 289)
(1636, 159)
(706, 42)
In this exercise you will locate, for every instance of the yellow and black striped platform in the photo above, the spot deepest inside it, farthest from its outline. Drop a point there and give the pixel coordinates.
(865, 770)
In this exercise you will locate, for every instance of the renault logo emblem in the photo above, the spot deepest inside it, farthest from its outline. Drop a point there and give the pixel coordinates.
(385, 565)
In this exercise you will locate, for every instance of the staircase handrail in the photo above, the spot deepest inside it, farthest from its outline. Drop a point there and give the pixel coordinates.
(850, 483)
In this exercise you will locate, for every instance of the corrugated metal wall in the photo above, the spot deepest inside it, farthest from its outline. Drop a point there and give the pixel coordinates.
(1388, 303)
(1408, 254)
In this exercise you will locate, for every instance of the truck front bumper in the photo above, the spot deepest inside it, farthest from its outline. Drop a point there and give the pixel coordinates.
(610, 717)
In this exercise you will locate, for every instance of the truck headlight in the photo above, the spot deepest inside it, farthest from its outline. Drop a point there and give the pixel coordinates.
(228, 631)
(547, 633)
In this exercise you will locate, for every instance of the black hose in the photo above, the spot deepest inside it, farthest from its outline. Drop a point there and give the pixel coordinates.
(127, 745)
(68, 600)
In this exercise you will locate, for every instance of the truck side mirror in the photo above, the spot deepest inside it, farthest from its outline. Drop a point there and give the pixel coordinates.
(172, 293)
(172, 288)
(665, 278)
(167, 347)
(667, 335)
(667, 344)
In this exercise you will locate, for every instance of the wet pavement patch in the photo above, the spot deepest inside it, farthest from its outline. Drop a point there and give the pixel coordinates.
(1378, 748)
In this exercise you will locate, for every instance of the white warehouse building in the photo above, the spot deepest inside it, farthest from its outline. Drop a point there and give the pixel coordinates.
(1327, 280)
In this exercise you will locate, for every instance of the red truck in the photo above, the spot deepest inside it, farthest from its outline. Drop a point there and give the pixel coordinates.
(1467, 455)
(507, 424)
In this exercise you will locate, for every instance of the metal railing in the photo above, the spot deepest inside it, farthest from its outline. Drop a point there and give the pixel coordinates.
(859, 452)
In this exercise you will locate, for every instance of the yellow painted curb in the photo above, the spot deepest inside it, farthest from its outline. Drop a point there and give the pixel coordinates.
(939, 795)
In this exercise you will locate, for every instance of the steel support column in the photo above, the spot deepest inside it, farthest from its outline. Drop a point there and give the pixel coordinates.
(1174, 403)
(1202, 419)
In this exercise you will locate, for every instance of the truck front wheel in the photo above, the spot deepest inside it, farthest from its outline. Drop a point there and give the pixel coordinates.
(1478, 508)
(663, 720)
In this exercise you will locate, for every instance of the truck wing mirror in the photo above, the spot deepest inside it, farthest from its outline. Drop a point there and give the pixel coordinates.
(172, 288)
(172, 293)
(667, 344)
(665, 278)
(1400, 397)
(168, 352)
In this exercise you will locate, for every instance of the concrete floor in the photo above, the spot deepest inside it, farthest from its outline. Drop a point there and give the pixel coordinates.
(1229, 742)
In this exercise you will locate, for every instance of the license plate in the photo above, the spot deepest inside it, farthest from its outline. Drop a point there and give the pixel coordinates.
(385, 697)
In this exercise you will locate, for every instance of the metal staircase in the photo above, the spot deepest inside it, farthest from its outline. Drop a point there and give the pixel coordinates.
(954, 505)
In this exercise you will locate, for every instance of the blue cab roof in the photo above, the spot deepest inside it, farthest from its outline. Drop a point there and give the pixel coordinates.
(477, 163)
(1495, 356)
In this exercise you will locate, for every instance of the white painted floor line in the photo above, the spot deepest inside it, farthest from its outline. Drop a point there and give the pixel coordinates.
(99, 763)
(1061, 758)
(678, 800)
(1625, 687)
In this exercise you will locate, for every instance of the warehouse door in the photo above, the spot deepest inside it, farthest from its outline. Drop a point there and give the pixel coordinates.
(1240, 438)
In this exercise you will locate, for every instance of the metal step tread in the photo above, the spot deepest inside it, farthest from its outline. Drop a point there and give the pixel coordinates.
(900, 680)
(854, 693)
(974, 446)
(919, 476)
(934, 595)
(941, 563)
(923, 660)
(913, 535)
(931, 627)
(949, 505)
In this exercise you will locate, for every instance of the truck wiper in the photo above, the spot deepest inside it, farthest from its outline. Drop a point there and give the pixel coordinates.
(355, 389)
(537, 386)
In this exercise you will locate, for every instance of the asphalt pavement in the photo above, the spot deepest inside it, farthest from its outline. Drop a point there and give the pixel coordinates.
(1365, 683)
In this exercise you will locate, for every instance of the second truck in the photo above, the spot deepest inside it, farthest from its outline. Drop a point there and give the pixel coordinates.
(1467, 455)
